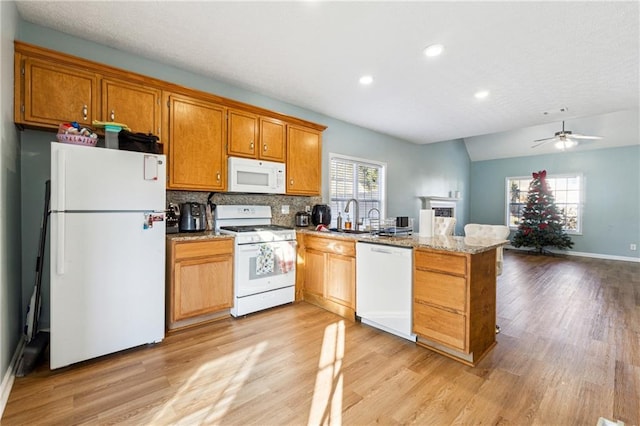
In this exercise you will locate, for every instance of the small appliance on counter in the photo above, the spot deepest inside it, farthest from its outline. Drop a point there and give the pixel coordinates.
(173, 219)
(321, 214)
(193, 217)
(302, 219)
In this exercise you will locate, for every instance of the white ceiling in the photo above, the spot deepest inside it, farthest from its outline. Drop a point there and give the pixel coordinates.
(531, 56)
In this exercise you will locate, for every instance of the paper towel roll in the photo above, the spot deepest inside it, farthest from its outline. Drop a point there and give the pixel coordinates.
(426, 223)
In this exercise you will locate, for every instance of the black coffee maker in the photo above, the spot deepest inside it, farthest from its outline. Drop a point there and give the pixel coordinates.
(321, 214)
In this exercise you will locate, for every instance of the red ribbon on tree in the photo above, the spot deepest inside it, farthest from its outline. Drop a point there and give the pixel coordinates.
(540, 175)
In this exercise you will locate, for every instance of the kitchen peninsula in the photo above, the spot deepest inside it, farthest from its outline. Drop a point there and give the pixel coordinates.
(454, 286)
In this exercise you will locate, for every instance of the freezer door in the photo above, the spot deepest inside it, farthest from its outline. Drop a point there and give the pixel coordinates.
(107, 284)
(97, 179)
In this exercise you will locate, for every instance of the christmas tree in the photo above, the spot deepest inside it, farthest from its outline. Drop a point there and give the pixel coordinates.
(541, 224)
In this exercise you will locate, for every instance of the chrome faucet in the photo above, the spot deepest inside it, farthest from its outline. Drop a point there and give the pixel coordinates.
(357, 212)
(372, 209)
(371, 225)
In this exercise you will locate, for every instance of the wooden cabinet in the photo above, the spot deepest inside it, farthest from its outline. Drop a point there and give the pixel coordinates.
(304, 160)
(243, 134)
(135, 105)
(254, 136)
(454, 306)
(53, 93)
(199, 281)
(52, 87)
(273, 139)
(328, 266)
(196, 153)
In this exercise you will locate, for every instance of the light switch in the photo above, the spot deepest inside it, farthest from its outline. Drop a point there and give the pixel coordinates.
(285, 209)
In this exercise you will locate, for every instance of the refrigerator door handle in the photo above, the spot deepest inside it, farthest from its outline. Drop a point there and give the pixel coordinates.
(62, 164)
(60, 244)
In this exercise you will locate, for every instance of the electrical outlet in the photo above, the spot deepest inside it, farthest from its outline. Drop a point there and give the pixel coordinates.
(307, 209)
(633, 247)
(285, 209)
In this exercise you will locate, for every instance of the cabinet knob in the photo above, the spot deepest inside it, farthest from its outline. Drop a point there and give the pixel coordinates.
(85, 112)
(291, 182)
(251, 145)
(265, 147)
(113, 115)
(218, 176)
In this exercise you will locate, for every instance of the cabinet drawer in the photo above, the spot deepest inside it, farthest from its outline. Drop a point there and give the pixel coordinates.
(192, 249)
(440, 326)
(452, 263)
(440, 289)
(330, 245)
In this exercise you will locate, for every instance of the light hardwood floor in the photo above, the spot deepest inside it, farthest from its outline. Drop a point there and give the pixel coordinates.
(568, 353)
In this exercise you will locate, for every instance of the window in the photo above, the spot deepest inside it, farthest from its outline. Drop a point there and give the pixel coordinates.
(567, 191)
(356, 178)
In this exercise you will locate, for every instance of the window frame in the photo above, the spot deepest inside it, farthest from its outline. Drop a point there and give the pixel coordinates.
(359, 161)
(580, 204)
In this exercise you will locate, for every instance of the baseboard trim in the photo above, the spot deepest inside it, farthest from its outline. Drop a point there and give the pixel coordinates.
(9, 377)
(582, 254)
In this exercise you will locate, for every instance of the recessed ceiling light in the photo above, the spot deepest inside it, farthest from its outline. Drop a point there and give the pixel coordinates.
(481, 94)
(366, 80)
(433, 50)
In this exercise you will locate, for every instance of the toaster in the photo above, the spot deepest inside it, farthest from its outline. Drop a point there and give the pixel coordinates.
(193, 217)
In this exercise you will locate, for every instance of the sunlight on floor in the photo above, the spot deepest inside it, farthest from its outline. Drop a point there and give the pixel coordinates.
(223, 378)
(326, 407)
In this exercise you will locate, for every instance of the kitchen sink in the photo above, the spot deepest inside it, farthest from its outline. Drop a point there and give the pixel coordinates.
(348, 231)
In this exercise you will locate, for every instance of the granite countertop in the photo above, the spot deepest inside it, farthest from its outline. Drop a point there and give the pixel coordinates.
(471, 245)
(192, 236)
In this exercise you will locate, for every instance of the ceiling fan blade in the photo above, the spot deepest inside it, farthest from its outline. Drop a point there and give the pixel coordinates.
(545, 139)
(542, 142)
(577, 136)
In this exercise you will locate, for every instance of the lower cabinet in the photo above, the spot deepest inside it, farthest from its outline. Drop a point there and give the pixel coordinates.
(199, 281)
(328, 268)
(454, 302)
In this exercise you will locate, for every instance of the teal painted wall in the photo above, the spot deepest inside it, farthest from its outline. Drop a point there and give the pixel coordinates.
(11, 304)
(611, 216)
(412, 170)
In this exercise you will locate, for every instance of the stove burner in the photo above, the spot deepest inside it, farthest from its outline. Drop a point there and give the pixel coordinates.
(255, 228)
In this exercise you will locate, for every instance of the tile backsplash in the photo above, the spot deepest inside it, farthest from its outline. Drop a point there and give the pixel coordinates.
(295, 203)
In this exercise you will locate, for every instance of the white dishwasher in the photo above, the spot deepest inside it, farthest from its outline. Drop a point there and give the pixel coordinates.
(383, 288)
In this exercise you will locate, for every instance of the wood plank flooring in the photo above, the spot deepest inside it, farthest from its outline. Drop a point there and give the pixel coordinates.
(568, 353)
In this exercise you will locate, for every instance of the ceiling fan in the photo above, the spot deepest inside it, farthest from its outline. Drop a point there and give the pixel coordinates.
(564, 139)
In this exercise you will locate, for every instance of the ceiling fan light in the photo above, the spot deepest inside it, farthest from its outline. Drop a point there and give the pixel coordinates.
(565, 143)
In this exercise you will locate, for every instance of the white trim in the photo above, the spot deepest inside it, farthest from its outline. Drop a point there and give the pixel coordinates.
(582, 254)
(9, 377)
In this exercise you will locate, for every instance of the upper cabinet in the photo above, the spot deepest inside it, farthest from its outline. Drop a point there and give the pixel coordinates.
(135, 105)
(304, 160)
(54, 93)
(197, 130)
(243, 134)
(254, 136)
(273, 139)
(197, 134)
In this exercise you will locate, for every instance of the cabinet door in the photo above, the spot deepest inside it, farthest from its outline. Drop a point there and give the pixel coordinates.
(196, 145)
(341, 278)
(55, 93)
(135, 105)
(273, 135)
(304, 156)
(243, 132)
(202, 286)
(314, 272)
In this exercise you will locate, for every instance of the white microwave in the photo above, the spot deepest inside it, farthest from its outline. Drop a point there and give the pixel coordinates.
(257, 176)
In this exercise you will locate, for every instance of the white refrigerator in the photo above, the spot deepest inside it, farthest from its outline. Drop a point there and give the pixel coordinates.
(107, 254)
